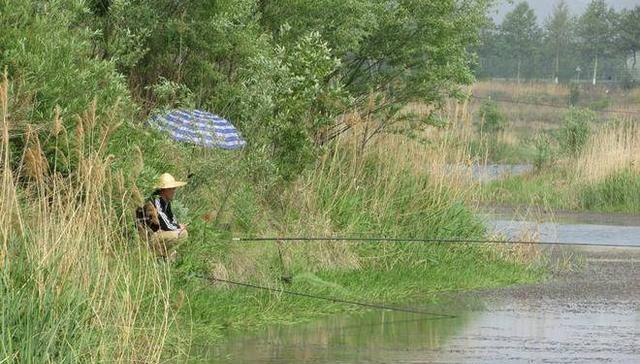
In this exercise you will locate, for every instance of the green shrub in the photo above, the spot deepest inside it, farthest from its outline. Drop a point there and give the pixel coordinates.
(574, 94)
(575, 130)
(492, 120)
(545, 153)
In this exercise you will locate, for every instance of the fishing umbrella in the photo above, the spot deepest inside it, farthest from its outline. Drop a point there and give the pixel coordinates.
(199, 127)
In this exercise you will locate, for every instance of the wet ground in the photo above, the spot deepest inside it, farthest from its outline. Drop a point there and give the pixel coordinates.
(586, 315)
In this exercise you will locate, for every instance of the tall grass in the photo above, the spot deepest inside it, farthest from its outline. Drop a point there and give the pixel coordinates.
(611, 148)
(72, 287)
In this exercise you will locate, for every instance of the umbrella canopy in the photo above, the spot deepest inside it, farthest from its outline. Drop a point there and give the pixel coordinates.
(199, 127)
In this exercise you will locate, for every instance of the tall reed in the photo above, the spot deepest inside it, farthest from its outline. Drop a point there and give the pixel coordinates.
(73, 288)
(612, 148)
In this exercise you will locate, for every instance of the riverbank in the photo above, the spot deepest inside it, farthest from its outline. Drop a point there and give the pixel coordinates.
(217, 310)
(580, 313)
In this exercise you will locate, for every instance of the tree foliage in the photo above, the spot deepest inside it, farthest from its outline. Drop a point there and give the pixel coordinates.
(628, 28)
(281, 70)
(558, 33)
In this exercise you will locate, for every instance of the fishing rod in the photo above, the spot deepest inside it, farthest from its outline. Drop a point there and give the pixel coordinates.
(430, 241)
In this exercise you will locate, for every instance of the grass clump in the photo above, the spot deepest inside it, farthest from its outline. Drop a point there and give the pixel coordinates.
(619, 192)
(575, 131)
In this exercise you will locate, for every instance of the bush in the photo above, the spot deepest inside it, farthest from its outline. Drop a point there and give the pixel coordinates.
(492, 120)
(575, 130)
(545, 153)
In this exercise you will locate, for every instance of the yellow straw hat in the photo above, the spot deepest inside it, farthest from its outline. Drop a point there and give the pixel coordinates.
(167, 181)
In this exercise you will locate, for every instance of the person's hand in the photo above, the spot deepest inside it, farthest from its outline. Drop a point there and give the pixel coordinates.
(183, 227)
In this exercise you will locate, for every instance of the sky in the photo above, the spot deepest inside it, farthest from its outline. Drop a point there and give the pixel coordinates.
(544, 8)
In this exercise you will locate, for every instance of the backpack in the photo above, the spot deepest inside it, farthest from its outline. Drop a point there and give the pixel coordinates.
(147, 217)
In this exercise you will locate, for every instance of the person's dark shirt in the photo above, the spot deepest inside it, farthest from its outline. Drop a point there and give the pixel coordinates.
(156, 215)
(167, 221)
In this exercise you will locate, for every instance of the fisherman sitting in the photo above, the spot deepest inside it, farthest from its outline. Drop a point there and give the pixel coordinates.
(156, 222)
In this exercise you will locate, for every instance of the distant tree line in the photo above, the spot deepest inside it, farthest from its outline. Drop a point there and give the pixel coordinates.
(598, 45)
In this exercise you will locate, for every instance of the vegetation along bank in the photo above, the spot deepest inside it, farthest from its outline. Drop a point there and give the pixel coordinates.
(332, 149)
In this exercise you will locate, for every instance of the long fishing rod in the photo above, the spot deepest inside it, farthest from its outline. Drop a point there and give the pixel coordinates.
(434, 316)
(430, 241)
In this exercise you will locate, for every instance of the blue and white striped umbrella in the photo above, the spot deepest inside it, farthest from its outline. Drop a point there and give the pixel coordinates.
(200, 128)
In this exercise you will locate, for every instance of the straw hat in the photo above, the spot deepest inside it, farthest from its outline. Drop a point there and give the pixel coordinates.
(167, 181)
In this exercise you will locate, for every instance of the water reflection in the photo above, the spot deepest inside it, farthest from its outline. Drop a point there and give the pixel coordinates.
(489, 172)
(370, 337)
(514, 333)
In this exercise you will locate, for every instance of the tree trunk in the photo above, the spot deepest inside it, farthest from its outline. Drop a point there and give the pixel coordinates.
(595, 71)
(557, 71)
(518, 76)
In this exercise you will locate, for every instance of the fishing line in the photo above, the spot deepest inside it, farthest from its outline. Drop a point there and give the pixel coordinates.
(434, 316)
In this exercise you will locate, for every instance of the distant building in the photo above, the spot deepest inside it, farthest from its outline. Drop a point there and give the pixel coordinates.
(633, 65)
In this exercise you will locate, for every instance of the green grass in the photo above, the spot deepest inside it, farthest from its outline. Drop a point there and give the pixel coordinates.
(552, 188)
(617, 193)
(530, 189)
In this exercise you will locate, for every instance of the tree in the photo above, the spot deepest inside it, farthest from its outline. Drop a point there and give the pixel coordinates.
(595, 29)
(558, 33)
(490, 64)
(400, 51)
(628, 29)
(285, 70)
(521, 34)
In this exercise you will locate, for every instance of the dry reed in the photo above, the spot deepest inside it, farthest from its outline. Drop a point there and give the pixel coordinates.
(611, 148)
